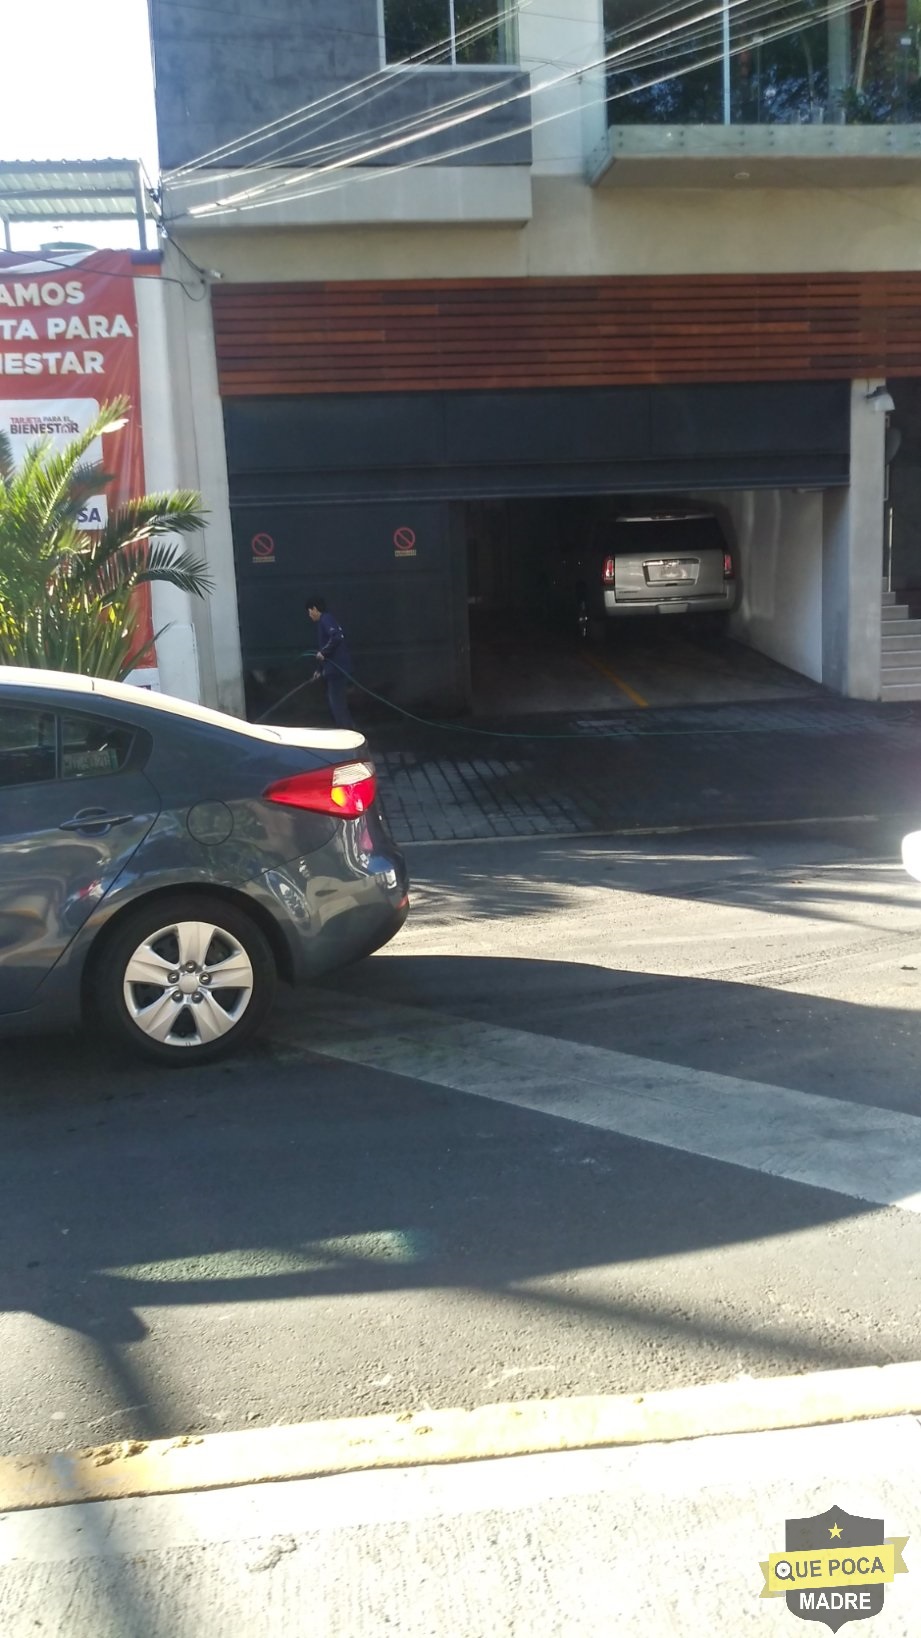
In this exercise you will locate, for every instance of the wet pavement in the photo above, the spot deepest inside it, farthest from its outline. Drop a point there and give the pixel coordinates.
(816, 757)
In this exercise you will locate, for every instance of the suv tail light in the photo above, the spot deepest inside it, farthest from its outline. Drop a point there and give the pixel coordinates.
(727, 565)
(608, 571)
(344, 791)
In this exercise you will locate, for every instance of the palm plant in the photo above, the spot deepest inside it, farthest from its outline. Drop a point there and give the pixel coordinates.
(67, 593)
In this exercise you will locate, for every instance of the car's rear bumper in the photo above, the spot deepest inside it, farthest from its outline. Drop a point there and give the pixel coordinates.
(340, 903)
(619, 607)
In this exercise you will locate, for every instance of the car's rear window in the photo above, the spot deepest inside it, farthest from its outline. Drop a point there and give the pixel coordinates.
(37, 745)
(27, 746)
(90, 745)
(670, 537)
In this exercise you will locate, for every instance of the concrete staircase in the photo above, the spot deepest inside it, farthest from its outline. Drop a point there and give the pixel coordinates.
(900, 676)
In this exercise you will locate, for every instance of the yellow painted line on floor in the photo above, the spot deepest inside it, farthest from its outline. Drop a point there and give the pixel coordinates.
(219, 1461)
(631, 693)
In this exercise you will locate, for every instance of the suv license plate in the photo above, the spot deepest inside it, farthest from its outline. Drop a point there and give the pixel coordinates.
(671, 570)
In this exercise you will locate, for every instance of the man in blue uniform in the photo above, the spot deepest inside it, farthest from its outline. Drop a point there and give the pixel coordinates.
(334, 662)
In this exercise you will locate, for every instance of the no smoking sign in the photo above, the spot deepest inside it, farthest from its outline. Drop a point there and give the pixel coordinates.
(404, 542)
(263, 548)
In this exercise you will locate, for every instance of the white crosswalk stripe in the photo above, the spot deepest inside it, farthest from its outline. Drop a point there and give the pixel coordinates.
(867, 1153)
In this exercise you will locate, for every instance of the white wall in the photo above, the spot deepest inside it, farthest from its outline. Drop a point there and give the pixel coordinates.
(778, 539)
(811, 566)
(576, 229)
(853, 558)
(558, 44)
(197, 432)
(173, 618)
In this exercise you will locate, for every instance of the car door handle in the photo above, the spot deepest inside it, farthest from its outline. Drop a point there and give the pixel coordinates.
(95, 821)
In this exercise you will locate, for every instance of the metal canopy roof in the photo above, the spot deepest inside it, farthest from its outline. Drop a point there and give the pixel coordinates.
(88, 190)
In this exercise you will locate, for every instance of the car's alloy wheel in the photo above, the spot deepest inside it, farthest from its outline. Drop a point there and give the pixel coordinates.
(186, 980)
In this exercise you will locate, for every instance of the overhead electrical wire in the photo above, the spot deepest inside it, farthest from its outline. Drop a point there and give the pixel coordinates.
(341, 96)
(384, 78)
(386, 73)
(650, 49)
(421, 122)
(409, 130)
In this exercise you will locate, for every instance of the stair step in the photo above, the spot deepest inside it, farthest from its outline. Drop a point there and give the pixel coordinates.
(901, 628)
(901, 674)
(888, 599)
(895, 611)
(910, 643)
(900, 691)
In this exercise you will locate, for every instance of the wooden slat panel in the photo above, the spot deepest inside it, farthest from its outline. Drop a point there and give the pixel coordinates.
(424, 335)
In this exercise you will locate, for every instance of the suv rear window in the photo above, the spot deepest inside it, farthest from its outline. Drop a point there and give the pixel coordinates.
(672, 537)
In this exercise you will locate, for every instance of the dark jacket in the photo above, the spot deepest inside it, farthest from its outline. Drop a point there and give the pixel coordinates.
(332, 648)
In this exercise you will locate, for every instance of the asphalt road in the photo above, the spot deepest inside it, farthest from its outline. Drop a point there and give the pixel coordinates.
(303, 1235)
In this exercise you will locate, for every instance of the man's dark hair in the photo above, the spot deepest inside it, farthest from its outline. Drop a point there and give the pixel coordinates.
(316, 603)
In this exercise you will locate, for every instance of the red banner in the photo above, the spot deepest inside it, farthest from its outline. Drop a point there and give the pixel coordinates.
(68, 344)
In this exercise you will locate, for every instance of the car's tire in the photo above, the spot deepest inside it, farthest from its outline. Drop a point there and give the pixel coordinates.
(154, 986)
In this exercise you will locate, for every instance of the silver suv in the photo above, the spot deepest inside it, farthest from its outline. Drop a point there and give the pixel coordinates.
(650, 562)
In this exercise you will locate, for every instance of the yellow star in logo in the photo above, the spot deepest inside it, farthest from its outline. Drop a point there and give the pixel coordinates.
(834, 1530)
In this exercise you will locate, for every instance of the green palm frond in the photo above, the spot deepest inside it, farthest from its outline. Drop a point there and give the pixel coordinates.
(107, 576)
(67, 594)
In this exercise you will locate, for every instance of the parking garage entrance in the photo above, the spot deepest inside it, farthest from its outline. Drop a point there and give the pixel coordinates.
(541, 641)
(433, 523)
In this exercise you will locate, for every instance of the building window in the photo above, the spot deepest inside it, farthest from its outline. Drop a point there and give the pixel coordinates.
(805, 62)
(449, 31)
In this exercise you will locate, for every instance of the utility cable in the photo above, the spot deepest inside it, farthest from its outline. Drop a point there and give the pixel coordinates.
(400, 710)
(713, 14)
(342, 94)
(269, 193)
(471, 729)
(315, 154)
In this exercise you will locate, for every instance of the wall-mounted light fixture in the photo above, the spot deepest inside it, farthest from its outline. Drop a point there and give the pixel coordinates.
(881, 400)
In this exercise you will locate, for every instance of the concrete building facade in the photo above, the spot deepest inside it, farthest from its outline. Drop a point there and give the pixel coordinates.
(463, 258)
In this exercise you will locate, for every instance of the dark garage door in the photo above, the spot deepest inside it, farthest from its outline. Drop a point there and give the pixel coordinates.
(351, 496)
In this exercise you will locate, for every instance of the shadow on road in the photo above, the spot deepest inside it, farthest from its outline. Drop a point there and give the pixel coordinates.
(287, 1179)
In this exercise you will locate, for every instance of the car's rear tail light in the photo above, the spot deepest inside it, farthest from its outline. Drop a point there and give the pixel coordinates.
(608, 570)
(727, 565)
(345, 791)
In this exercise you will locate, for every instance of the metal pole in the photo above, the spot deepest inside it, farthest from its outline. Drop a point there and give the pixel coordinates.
(140, 201)
(7, 236)
(839, 64)
(727, 82)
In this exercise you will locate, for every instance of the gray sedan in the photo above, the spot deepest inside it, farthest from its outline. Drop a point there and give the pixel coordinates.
(162, 865)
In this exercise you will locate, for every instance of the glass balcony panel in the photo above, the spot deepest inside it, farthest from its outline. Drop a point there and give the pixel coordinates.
(764, 62)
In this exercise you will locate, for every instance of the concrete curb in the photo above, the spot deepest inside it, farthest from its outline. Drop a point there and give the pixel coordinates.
(416, 1439)
(692, 828)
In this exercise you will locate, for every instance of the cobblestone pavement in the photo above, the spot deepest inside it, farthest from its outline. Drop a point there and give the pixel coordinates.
(816, 758)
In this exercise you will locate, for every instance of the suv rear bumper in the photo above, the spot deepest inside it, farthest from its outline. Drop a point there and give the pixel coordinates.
(709, 603)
